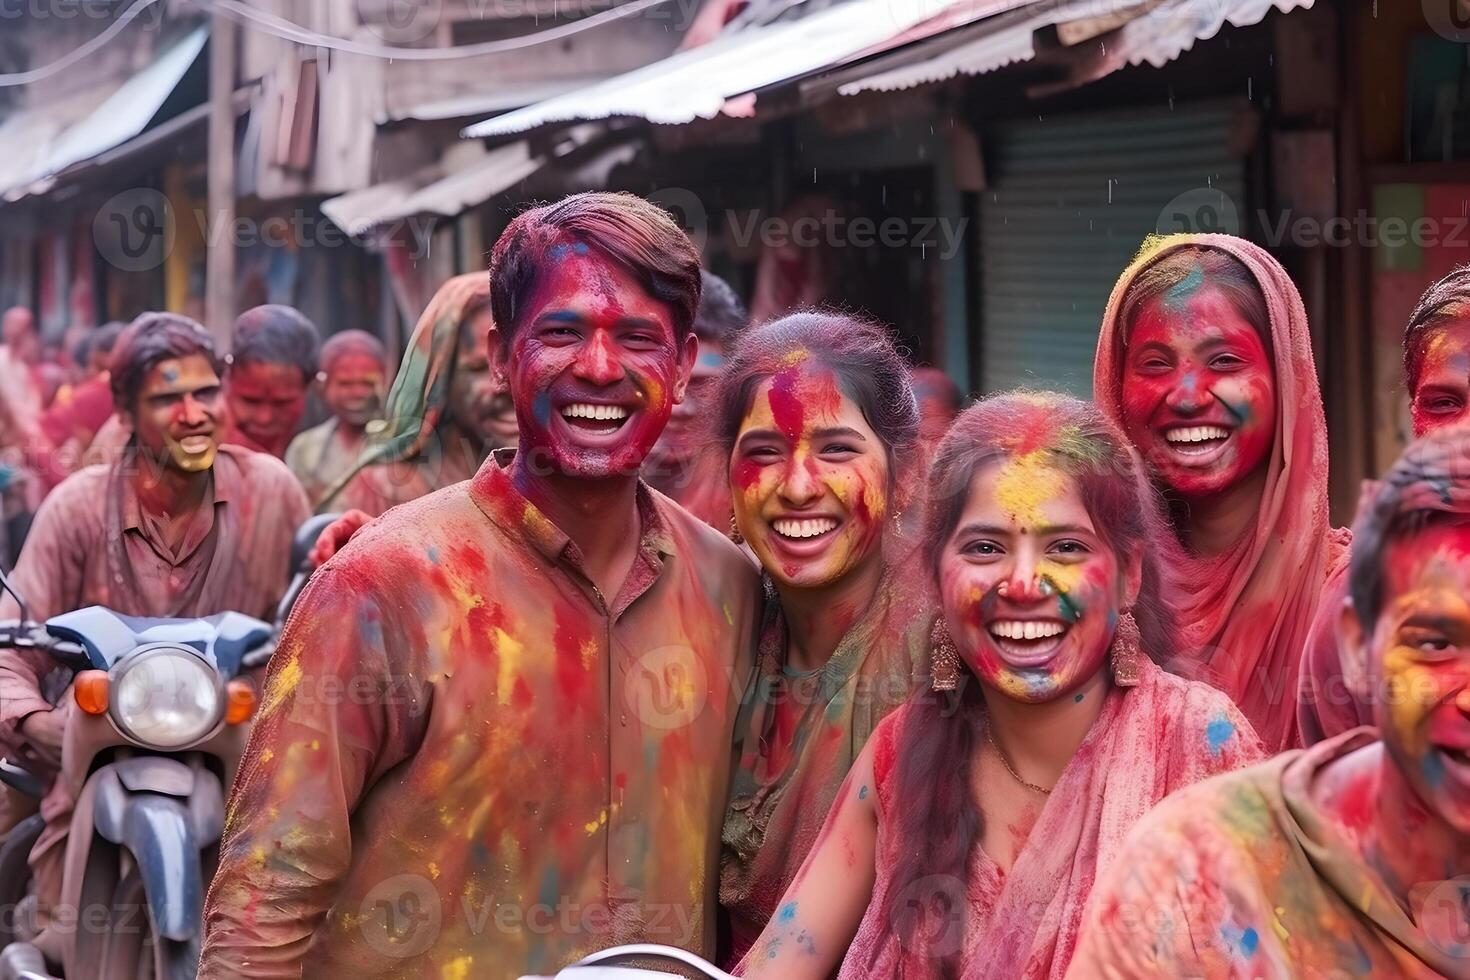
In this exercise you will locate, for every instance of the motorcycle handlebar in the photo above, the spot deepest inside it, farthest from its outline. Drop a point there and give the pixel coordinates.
(33, 636)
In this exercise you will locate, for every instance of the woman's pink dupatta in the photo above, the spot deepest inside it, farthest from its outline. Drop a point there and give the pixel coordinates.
(1164, 734)
(1245, 615)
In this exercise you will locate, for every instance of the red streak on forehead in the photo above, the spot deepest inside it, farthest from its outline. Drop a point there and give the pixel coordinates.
(786, 408)
(1033, 431)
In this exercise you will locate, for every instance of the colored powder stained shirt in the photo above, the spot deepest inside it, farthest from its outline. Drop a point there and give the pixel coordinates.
(319, 459)
(784, 786)
(447, 459)
(1244, 877)
(1021, 924)
(468, 762)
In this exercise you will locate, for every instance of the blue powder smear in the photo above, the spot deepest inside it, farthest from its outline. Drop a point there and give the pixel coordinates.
(1242, 942)
(1218, 733)
(787, 914)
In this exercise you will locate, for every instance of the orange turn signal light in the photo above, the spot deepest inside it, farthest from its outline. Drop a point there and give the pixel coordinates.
(90, 691)
(240, 701)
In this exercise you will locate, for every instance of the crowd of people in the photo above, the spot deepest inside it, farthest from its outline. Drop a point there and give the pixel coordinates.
(644, 623)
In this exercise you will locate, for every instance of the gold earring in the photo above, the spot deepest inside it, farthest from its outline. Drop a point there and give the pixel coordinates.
(1127, 651)
(735, 534)
(944, 662)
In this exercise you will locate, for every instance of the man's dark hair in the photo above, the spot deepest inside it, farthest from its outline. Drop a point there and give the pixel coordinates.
(146, 342)
(276, 334)
(721, 315)
(1429, 482)
(98, 341)
(638, 235)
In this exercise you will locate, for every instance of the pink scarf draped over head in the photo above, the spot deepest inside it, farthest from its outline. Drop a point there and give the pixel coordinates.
(1245, 614)
(1023, 924)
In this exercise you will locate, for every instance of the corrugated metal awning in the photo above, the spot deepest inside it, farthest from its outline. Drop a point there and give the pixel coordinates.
(91, 125)
(445, 189)
(697, 83)
(1152, 32)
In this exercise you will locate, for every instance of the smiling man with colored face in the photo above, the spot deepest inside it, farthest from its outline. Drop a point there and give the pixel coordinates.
(1351, 858)
(547, 659)
(178, 526)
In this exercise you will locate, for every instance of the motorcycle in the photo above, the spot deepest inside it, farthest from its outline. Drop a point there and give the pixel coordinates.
(611, 964)
(160, 721)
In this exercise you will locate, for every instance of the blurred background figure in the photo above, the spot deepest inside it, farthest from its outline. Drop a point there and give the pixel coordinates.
(445, 412)
(81, 408)
(353, 386)
(272, 362)
(939, 402)
(683, 464)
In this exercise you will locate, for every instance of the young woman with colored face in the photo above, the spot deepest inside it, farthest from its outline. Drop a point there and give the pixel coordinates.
(817, 418)
(969, 831)
(1205, 361)
(1335, 693)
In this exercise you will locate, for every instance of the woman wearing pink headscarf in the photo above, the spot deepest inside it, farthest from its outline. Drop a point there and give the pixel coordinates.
(1205, 360)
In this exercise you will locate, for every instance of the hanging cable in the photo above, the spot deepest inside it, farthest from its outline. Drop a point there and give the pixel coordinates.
(66, 61)
(290, 31)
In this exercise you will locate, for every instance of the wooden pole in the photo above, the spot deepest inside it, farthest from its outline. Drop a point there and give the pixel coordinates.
(219, 269)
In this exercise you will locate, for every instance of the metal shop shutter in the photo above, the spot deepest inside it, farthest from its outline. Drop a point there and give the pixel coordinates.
(1070, 201)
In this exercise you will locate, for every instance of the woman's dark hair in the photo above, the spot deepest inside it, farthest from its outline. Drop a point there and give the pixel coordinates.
(148, 341)
(276, 334)
(939, 819)
(1442, 303)
(1180, 273)
(636, 234)
(860, 354)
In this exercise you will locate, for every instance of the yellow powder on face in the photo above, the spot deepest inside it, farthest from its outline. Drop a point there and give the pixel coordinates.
(1066, 577)
(281, 685)
(1024, 484)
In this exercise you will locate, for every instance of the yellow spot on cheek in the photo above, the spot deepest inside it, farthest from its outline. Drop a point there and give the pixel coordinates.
(1024, 484)
(1065, 577)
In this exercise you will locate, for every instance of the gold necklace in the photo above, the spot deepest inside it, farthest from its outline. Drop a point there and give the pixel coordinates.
(1007, 763)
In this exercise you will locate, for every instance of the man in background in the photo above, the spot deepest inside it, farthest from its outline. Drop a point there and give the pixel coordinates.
(273, 360)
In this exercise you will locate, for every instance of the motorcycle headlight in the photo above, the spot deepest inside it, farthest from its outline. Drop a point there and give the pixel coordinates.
(166, 697)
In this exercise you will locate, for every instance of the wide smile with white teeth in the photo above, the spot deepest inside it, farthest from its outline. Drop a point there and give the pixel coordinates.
(801, 529)
(1027, 642)
(1196, 440)
(592, 418)
(598, 413)
(196, 444)
(1026, 629)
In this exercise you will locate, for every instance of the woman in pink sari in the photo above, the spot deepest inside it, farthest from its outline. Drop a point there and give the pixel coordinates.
(1205, 360)
(967, 836)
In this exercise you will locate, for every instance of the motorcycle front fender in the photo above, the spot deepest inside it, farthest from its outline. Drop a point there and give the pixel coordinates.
(146, 806)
